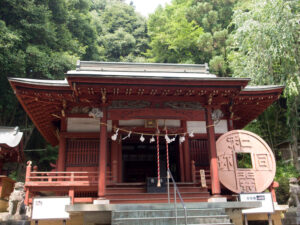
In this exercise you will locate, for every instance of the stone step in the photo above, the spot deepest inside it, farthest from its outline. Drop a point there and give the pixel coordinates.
(167, 212)
(163, 214)
(154, 195)
(13, 222)
(124, 190)
(156, 200)
(216, 219)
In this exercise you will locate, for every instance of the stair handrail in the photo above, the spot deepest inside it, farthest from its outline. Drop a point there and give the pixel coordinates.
(176, 190)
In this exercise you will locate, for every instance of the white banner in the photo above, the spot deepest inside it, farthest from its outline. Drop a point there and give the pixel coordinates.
(50, 208)
(265, 199)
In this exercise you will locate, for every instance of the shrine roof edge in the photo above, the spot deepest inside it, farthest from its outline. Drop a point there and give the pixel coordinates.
(40, 81)
(145, 67)
(263, 88)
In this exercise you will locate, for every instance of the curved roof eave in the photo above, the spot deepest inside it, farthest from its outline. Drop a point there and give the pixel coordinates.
(10, 136)
(263, 88)
(39, 81)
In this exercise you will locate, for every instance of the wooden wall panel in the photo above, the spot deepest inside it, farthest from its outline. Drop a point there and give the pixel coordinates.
(82, 152)
(199, 152)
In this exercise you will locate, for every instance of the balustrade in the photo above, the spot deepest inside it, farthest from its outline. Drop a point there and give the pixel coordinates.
(72, 182)
(62, 178)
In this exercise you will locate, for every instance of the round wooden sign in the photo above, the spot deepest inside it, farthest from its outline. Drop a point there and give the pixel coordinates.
(245, 161)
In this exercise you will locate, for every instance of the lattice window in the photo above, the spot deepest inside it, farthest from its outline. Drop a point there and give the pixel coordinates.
(82, 152)
(199, 152)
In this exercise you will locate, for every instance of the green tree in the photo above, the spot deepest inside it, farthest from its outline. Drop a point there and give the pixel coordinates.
(214, 17)
(34, 43)
(193, 31)
(122, 33)
(44, 38)
(265, 46)
(173, 38)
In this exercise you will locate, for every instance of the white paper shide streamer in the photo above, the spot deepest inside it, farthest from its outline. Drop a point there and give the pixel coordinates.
(115, 135)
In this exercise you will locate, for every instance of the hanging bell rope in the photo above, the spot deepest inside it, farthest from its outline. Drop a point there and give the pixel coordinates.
(167, 151)
(157, 148)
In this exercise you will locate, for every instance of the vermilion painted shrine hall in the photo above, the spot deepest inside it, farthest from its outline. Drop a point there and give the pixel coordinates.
(117, 124)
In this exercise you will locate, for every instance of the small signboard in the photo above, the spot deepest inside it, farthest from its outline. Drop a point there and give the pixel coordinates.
(265, 199)
(202, 178)
(44, 208)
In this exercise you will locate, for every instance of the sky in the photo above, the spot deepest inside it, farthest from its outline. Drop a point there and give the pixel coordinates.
(145, 7)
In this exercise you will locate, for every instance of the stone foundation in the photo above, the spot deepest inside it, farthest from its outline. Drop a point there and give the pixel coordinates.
(292, 217)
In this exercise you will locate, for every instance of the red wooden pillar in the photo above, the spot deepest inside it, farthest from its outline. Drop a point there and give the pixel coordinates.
(187, 157)
(102, 154)
(215, 183)
(61, 153)
(62, 146)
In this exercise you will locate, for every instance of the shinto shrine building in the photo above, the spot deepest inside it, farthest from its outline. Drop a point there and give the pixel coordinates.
(117, 124)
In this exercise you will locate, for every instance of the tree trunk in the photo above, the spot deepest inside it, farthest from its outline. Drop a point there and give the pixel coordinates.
(295, 131)
(294, 149)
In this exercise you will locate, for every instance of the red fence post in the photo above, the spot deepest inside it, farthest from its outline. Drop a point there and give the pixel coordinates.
(27, 179)
(272, 190)
(72, 194)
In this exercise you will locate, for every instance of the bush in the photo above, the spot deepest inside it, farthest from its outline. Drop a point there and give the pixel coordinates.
(283, 173)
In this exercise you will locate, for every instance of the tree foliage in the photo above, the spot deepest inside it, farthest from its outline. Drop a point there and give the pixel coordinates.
(265, 46)
(173, 38)
(43, 39)
(284, 172)
(193, 31)
(123, 31)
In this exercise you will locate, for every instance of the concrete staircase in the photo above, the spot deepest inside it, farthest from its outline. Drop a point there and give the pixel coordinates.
(153, 215)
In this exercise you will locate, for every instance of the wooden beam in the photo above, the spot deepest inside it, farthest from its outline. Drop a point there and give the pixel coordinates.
(153, 113)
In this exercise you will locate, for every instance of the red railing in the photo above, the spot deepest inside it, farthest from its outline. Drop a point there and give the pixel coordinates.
(75, 183)
(62, 178)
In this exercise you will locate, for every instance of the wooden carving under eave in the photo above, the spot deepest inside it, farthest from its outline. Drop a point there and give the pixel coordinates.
(210, 98)
(103, 93)
(64, 105)
(150, 123)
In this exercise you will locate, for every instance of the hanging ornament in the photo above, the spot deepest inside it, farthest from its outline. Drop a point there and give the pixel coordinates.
(114, 137)
(191, 134)
(152, 139)
(182, 139)
(128, 136)
(168, 140)
(173, 139)
(142, 139)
